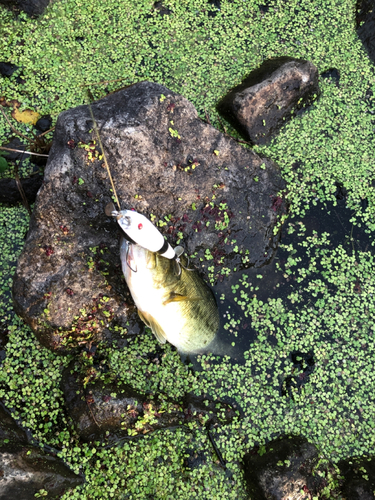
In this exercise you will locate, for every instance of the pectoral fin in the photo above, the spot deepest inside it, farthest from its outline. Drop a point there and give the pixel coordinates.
(154, 325)
(176, 297)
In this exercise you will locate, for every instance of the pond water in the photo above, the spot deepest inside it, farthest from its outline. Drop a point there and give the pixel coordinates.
(270, 282)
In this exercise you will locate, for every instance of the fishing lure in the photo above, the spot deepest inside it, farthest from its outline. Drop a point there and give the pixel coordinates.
(140, 230)
(137, 228)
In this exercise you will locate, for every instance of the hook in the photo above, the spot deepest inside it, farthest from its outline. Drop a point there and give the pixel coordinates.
(127, 263)
(179, 251)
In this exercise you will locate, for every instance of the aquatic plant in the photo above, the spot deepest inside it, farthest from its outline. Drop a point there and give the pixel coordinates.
(202, 51)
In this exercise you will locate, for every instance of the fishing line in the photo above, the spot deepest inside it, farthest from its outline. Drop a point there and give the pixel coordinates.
(133, 223)
(95, 126)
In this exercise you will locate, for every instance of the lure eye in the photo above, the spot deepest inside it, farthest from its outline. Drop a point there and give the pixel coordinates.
(140, 226)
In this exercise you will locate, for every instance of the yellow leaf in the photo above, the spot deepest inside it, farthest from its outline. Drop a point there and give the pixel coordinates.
(27, 116)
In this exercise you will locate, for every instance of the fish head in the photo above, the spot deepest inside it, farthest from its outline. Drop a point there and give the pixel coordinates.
(152, 267)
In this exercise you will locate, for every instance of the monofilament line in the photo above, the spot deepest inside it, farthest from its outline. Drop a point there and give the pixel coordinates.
(104, 155)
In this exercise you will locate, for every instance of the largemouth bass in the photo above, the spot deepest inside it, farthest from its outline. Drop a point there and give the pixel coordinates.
(174, 302)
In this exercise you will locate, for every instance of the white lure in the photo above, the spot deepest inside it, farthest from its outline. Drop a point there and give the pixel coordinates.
(141, 230)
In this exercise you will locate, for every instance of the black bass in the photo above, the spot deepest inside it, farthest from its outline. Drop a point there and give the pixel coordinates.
(174, 302)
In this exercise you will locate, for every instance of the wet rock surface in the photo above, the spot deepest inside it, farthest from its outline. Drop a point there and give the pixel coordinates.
(332, 75)
(365, 17)
(10, 431)
(359, 478)
(26, 469)
(268, 97)
(112, 410)
(202, 188)
(303, 366)
(32, 7)
(284, 470)
(44, 123)
(7, 69)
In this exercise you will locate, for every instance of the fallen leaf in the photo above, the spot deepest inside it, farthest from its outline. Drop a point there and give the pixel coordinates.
(26, 116)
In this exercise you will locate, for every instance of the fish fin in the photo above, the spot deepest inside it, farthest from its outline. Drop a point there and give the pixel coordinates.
(154, 325)
(176, 297)
(151, 260)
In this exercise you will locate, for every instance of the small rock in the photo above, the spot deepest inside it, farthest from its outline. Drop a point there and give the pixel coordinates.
(268, 97)
(32, 8)
(44, 123)
(112, 410)
(359, 478)
(26, 469)
(7, 69)
(365, 17)
(284, 470)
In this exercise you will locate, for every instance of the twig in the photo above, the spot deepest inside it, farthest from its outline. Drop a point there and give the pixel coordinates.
(14, 129)
(222, 124)
(217, 451)
(22, 151)
(20, 189)
(207, 117)
(46, 132)
(92, 414)
(104, 155)
(241, 141)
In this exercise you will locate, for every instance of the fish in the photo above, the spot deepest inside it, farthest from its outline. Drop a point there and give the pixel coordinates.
(172, 300)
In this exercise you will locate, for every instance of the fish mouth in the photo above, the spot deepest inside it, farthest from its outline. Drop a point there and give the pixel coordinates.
(127, 257)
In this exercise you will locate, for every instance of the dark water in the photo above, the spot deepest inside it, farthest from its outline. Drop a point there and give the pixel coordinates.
(334, 220)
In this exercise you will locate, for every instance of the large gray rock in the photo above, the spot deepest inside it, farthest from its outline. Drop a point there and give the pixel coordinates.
(267, 98)
(26, 469)
(206, 190)
(111, 410)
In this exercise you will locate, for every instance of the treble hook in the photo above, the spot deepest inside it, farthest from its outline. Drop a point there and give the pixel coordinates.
(127, 263)
(179, 251)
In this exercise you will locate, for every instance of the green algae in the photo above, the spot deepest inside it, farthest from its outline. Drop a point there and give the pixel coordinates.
(202, 52)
